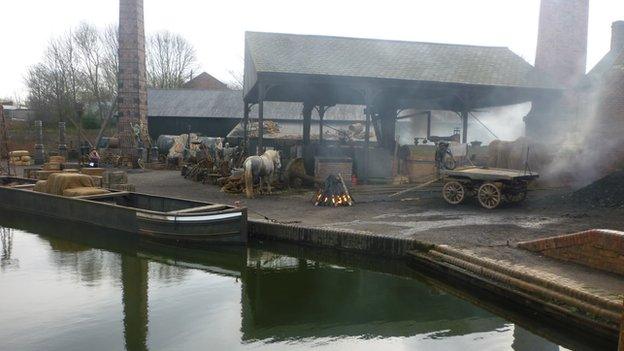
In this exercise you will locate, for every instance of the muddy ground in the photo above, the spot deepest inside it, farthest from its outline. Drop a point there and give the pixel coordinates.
(424, 216)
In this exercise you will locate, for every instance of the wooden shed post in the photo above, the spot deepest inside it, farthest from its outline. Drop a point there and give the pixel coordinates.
(367, 141)
(321, 112)
(307, 122)
(260, 148)
(464, 117)
(246, 108)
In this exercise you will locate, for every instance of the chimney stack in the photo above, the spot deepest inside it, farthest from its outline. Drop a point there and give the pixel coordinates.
(562, 40)
(617, 36)
(131, 78)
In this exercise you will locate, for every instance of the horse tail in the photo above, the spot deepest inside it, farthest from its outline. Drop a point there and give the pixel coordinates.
(248, 179)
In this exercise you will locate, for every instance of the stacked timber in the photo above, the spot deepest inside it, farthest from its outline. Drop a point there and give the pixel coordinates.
(20, 158)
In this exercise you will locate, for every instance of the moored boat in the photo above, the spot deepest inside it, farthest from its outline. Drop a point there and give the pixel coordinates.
(153, 216)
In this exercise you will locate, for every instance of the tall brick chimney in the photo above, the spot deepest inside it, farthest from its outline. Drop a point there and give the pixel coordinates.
(562, 55)
(617, 36)
(131, 78)
(562, 40)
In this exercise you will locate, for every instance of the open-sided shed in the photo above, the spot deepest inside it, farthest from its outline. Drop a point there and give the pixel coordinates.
(385, 76)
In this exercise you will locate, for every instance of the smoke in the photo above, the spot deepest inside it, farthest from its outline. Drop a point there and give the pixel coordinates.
(486, 125)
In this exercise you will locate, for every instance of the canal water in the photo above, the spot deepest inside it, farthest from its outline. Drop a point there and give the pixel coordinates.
(70, 288)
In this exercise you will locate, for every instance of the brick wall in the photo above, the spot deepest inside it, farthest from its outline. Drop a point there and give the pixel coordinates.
(562, 54)
(132, 97)
(601, 249)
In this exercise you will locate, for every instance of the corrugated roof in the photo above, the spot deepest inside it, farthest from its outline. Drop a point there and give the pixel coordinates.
(386, 59)
(229, 104)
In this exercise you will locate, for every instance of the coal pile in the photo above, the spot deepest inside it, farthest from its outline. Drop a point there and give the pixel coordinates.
(605, 192)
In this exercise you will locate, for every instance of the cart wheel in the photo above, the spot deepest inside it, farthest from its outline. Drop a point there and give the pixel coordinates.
(449, 162)
(489, 196)
(454, 192)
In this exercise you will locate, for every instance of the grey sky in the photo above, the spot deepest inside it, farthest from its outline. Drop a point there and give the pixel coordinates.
(216, 27)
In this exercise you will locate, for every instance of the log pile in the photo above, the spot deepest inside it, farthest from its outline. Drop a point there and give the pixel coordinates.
(334, 193)
(198, 171)
(233, 184)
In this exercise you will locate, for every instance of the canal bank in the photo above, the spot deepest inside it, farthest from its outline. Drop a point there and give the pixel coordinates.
(577, 307)
(447, 241)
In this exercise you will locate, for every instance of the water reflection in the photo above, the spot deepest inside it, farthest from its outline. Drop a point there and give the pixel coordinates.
(6, 240)
(283, 299)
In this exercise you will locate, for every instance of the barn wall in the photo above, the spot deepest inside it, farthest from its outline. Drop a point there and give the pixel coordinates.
(211, 127)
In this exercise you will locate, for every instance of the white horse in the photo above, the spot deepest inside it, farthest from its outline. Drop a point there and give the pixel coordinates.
(263, 167)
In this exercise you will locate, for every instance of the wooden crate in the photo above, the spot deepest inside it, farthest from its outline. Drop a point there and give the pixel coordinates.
(324, 166)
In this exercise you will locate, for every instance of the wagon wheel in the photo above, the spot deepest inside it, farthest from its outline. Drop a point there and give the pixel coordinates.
(449, 162)
(489, 196)
(454, 192)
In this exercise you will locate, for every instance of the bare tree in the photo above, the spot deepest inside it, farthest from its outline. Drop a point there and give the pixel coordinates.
(236, 81)
(170, 60)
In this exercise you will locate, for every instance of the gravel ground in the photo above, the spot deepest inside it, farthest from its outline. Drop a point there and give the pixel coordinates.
(426, 217)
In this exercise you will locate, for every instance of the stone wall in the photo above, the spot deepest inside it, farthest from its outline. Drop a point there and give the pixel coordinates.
(132, 78)
(600, 249)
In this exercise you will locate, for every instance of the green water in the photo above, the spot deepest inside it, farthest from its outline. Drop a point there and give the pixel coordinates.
(80, 289)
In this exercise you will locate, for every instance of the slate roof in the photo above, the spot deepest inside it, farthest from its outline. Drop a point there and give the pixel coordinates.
(229, 104)
(194, 103)
(387, 59)
(596, 74)
(205, 81)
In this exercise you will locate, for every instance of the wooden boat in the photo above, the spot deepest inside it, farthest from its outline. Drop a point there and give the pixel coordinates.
(158, 217)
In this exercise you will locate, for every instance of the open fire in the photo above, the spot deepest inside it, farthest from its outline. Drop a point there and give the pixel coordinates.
(334, 193)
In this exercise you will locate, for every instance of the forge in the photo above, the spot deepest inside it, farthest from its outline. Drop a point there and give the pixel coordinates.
(597, 248)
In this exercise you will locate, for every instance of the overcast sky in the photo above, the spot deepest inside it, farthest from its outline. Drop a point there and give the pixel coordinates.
(216, 28)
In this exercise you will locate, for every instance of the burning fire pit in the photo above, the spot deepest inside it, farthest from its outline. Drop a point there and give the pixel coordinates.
(334, 193)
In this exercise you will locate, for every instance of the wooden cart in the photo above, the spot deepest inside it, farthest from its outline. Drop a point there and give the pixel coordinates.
(491, 186)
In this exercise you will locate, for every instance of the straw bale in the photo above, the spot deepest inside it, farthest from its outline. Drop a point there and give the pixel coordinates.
(43, 175)
(19, 153)
(92, 171)
(59, 182)
(57, 159)
(51, 166)
(84, 191)
(41, 186)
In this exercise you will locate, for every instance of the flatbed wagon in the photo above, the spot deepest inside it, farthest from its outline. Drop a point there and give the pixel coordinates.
(491, 186)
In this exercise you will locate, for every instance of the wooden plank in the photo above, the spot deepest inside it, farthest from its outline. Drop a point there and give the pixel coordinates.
(201, 208)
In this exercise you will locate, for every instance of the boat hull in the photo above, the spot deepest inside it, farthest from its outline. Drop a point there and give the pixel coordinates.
(226, 226)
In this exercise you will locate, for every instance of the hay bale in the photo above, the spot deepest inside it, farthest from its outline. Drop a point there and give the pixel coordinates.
(41, 186)
(71, 170)
(93, 171)
(51, 166)
(59, 182)
(19, 153)
(57, 159)
(84, 191)
(72, 165)
(44, 175)
(25, 159)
